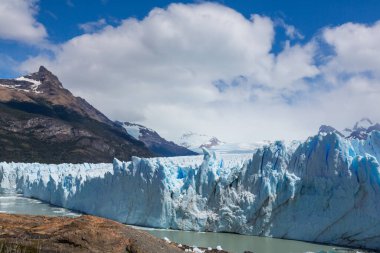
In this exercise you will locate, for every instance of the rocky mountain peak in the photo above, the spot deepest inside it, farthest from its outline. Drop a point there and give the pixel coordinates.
(47, 78)
(360, 131)
(364, 123)
(42, 121)
(326, 129)
(42, 69)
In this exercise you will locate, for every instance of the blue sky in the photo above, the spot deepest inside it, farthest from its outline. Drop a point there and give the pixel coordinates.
(61, 17)
(293, 64)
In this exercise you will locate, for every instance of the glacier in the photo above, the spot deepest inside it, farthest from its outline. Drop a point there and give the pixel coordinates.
(326, 190)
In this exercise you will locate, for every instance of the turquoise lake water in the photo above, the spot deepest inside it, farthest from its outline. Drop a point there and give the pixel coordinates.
(14, 203)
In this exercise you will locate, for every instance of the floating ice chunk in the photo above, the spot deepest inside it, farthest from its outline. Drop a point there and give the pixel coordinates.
(197, 250)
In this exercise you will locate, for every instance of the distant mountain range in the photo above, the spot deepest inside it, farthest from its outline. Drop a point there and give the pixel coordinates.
(193, 140)
(360, 130)
(196, 141)
(154, 141)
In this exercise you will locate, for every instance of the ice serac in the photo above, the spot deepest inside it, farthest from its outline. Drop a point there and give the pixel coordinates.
(326, 189)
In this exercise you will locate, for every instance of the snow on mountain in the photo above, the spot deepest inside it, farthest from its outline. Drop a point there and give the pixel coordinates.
(23, 83)
(326, 189)
(135, 130)
(34, 83)
(196, 142)
(237, 148)
(154, 141)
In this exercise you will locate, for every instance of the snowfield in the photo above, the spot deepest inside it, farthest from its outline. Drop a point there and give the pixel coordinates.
(326, 189)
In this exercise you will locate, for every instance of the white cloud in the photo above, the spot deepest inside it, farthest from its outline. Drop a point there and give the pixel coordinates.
(164, 71)
(17, 21)
(290, 30)
(293, 64)
(357, 49)
(93, 26)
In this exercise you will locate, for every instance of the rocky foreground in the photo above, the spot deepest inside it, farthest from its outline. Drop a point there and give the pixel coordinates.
(21, 233)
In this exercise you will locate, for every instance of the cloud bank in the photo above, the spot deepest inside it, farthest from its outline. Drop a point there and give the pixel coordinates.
(17, 21)
(206, 68)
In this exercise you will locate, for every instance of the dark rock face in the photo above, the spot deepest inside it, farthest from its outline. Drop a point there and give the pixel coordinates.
(325, 129)
(362, 129)
(40, 121)
(360, 125)
(375, 127)
(156, 144)
(212, 143)
(84, 234)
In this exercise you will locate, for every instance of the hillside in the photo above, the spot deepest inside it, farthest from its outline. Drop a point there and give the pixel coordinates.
(41, 121)
(156, 144)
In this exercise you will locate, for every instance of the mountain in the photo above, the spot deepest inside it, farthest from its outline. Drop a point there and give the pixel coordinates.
(195, 141)
(325, 129)
(41, 121)
(155, 143)
(360, 130)
(325, 189)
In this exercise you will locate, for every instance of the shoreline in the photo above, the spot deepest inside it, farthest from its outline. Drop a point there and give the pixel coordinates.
(28, 233)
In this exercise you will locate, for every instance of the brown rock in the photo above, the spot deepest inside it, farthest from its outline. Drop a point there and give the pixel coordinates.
(21, 233)
(48, 124)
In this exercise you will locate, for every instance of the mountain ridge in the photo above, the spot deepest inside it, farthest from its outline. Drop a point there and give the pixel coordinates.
(359, 131)
(156, 144)
(194, 141)
(41, 121)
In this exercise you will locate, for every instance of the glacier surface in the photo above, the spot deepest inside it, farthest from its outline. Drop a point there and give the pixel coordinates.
(326, 189)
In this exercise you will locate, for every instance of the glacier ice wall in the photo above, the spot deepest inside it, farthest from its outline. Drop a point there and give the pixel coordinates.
(326, 189)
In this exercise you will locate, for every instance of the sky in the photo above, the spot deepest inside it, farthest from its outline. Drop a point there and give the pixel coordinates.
(243, 71)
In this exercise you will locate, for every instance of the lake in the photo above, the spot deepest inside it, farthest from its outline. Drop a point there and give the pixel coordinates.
(10, 202)
(239, 243)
